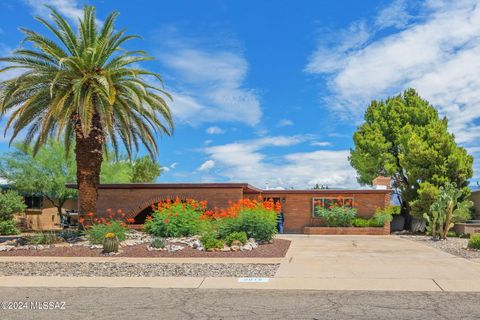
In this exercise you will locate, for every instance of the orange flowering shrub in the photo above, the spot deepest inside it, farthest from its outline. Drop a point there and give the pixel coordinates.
(257, 218)
(176, 218)
(235, 207)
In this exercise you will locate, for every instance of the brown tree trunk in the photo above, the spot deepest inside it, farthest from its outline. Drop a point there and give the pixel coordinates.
(89, 157)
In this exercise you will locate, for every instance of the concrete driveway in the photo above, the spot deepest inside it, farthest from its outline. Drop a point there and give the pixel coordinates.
(377, 259)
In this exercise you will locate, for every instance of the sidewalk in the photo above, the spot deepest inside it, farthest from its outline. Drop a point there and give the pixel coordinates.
(372, 263)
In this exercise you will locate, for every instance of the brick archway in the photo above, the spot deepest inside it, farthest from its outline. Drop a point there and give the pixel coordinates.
(144, 208)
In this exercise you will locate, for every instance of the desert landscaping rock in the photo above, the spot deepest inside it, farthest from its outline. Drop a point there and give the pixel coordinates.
(455, 246)
(112, 269)
(277, 249)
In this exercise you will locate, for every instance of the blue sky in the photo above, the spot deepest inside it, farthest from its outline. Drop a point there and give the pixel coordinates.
(270, 92)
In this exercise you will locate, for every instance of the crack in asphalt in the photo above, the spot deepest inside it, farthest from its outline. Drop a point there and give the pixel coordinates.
(147, 303)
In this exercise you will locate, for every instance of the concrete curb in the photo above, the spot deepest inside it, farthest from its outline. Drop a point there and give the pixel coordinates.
(413, 285)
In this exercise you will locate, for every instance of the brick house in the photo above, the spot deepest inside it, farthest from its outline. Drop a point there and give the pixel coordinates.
(297, 205)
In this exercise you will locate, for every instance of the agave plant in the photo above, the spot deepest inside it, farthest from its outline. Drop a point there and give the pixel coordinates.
(83, 88)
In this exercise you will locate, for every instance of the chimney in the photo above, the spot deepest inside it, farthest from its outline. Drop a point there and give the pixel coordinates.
(381, 183)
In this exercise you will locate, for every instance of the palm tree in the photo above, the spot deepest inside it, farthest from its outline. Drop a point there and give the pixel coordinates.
(83, 88)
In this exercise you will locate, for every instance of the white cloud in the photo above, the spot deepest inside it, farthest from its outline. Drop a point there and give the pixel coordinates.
(68, 8)
(437, 55)
(320, 143)
(207, 165)
(246, 161)
(170, 167)
(394, 15)
(284, 123)
(333, 49)
(214, 130)
(210, 85)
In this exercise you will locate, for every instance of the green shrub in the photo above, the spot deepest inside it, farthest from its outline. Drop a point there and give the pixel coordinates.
(474, 242)
(69, 235)
(209, 241)
(8, 227)
(236, 236)
(158, 243)
(381, 217)
(452, 234)
(10, 202)
(44, 238)
(97, 232)
(336, 216)
(177, 220)
(258, 223)
(391, 210)
(361, 223)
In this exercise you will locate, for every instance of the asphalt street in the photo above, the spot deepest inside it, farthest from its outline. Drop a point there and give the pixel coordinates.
(143, 303)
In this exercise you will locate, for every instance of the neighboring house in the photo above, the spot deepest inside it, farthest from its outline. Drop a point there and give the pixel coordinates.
(297, 205)
(40, 213)
(475, 197)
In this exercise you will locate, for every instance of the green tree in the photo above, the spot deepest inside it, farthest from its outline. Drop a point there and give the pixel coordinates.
(83, 86)
(404, 138)
(44, 174)
(48, 172)
(10, 202)
(447, 209)
(145, 170)
(124, 170)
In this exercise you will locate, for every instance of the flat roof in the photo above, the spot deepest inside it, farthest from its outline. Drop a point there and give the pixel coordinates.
(247, 188)
(325, 191)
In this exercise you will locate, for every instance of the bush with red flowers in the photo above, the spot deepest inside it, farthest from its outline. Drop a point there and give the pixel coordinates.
(177, 218)
(96, 228)
(257, 218)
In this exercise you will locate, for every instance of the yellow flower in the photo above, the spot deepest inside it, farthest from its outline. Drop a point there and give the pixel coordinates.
(110, 235)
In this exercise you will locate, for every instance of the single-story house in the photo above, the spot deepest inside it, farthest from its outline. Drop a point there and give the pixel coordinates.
(40, 213)
(297, 205)
(475, 198)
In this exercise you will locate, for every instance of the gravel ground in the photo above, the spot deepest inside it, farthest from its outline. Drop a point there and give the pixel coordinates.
(112, 269)
(277, 249)
(455, 246)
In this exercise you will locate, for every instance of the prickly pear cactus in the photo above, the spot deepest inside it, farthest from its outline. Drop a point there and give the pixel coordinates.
(110, 243)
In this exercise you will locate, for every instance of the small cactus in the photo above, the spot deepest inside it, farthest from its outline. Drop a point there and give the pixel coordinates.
(110, 243)
(158, 243)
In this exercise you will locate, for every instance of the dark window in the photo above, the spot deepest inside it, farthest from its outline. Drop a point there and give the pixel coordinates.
(34, 202)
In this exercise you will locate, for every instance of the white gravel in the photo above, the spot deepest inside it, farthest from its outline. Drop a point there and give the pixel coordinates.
(455, 246)
(121, 269)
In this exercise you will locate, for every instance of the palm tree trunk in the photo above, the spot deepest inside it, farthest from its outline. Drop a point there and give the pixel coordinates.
(89, 157)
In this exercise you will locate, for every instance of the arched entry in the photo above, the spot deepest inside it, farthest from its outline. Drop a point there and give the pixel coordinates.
(144, 210)
(141, 217)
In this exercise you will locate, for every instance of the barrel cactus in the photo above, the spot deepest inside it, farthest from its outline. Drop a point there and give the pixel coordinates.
(110, 243)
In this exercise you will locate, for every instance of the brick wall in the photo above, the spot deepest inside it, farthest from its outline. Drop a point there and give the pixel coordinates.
(379, 231)
(297, 207)
(132, 201)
